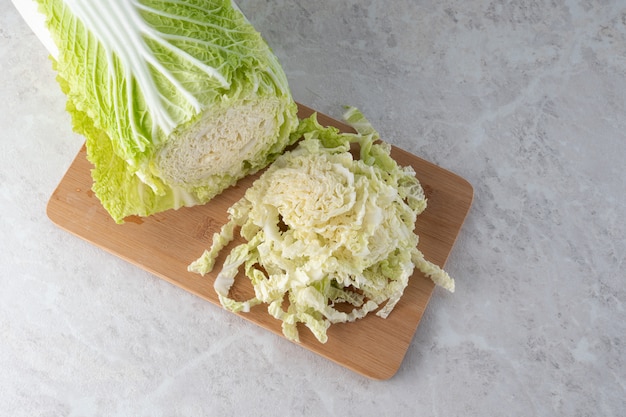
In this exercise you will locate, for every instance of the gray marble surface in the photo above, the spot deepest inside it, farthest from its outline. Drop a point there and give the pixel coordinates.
(524, 99)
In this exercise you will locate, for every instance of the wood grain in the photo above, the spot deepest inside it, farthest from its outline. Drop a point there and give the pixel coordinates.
(165, 243)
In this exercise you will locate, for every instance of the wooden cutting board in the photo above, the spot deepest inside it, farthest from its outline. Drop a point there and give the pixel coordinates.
(166, 243)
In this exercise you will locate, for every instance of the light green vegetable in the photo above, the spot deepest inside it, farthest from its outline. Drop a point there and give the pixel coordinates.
(324, 229)
(178, 99)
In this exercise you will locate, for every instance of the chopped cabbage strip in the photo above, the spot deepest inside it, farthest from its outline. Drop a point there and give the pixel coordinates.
(325, 231)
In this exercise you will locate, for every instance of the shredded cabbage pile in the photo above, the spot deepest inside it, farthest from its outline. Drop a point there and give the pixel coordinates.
(323, 230)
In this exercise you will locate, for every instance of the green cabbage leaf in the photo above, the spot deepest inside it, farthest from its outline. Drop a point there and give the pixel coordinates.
(177, 99)
(325, 230)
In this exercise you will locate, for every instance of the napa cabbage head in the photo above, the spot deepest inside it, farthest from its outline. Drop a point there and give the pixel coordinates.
(325, 230)
(177, 99)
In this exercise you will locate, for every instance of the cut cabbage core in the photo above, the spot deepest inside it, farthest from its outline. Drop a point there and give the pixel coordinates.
(220, 143)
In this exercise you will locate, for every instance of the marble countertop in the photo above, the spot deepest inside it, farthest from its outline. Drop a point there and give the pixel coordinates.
(526, 100)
